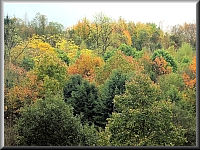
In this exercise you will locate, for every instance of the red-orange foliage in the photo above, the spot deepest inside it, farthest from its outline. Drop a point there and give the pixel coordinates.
(161, 66)
(190, 78)
(26, 92)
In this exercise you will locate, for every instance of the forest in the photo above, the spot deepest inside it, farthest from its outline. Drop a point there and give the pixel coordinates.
(100, 82)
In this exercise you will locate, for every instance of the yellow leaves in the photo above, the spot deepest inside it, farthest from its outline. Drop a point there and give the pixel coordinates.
(87, 51)
(44, 46)
(128, 37)
(37, 42)
(61, 45)
(70, 48)
(142, 26)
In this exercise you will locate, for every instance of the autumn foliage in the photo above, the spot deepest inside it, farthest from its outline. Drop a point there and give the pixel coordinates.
(101, 82)
(85, 65)
(190, 77)
(161, 66)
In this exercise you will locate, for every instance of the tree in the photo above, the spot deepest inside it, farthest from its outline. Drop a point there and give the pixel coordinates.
(141, 36)
(129, 51)
(160, 66)
(16, 99)
(184, 56)
(155, 41)
(62, 55)
(108, 54)
(89, 136)
(48, 122)
(54, 28)
(142, 118)
(83, 33)
(145, 127)
(102, 30)
(114, 85)
(185, 115)
(39, 23)
(183, 33)
(189, 77)
(11, 38)
(146, 62)
(118, 60)
(167, 57)
(120, 33)
(172, 86)
(141, 92)
(48, 64)
(52, 71)
(85, 65)
(83, 97)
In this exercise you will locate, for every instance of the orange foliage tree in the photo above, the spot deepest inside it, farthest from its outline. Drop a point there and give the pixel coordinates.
(160, 66)
(85, 65)
(25, 92)
(189, 77)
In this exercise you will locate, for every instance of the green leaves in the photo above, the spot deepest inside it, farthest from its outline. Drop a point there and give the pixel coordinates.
(48, 122)
(147, 126)
(83, 96)
(142, 118)
(113, 86)
(140, 92)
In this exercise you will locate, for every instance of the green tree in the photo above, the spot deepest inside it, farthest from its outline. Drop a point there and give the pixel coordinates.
(83, 97)
(129, 51)
(62, 55)
(11, 38)
(54, 28)
(142, 118)
(48, 122)
(141, 93)
(117, 61)
(89, 136)
(108, 54)
(39, 23)
(114, 85)
(27, 63)
(48, 64)
(185, 116)
(52, 71)
(102, 32)
(152, 126)
(171, 86)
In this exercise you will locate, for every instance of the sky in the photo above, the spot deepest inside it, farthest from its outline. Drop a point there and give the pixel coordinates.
(164, 14)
